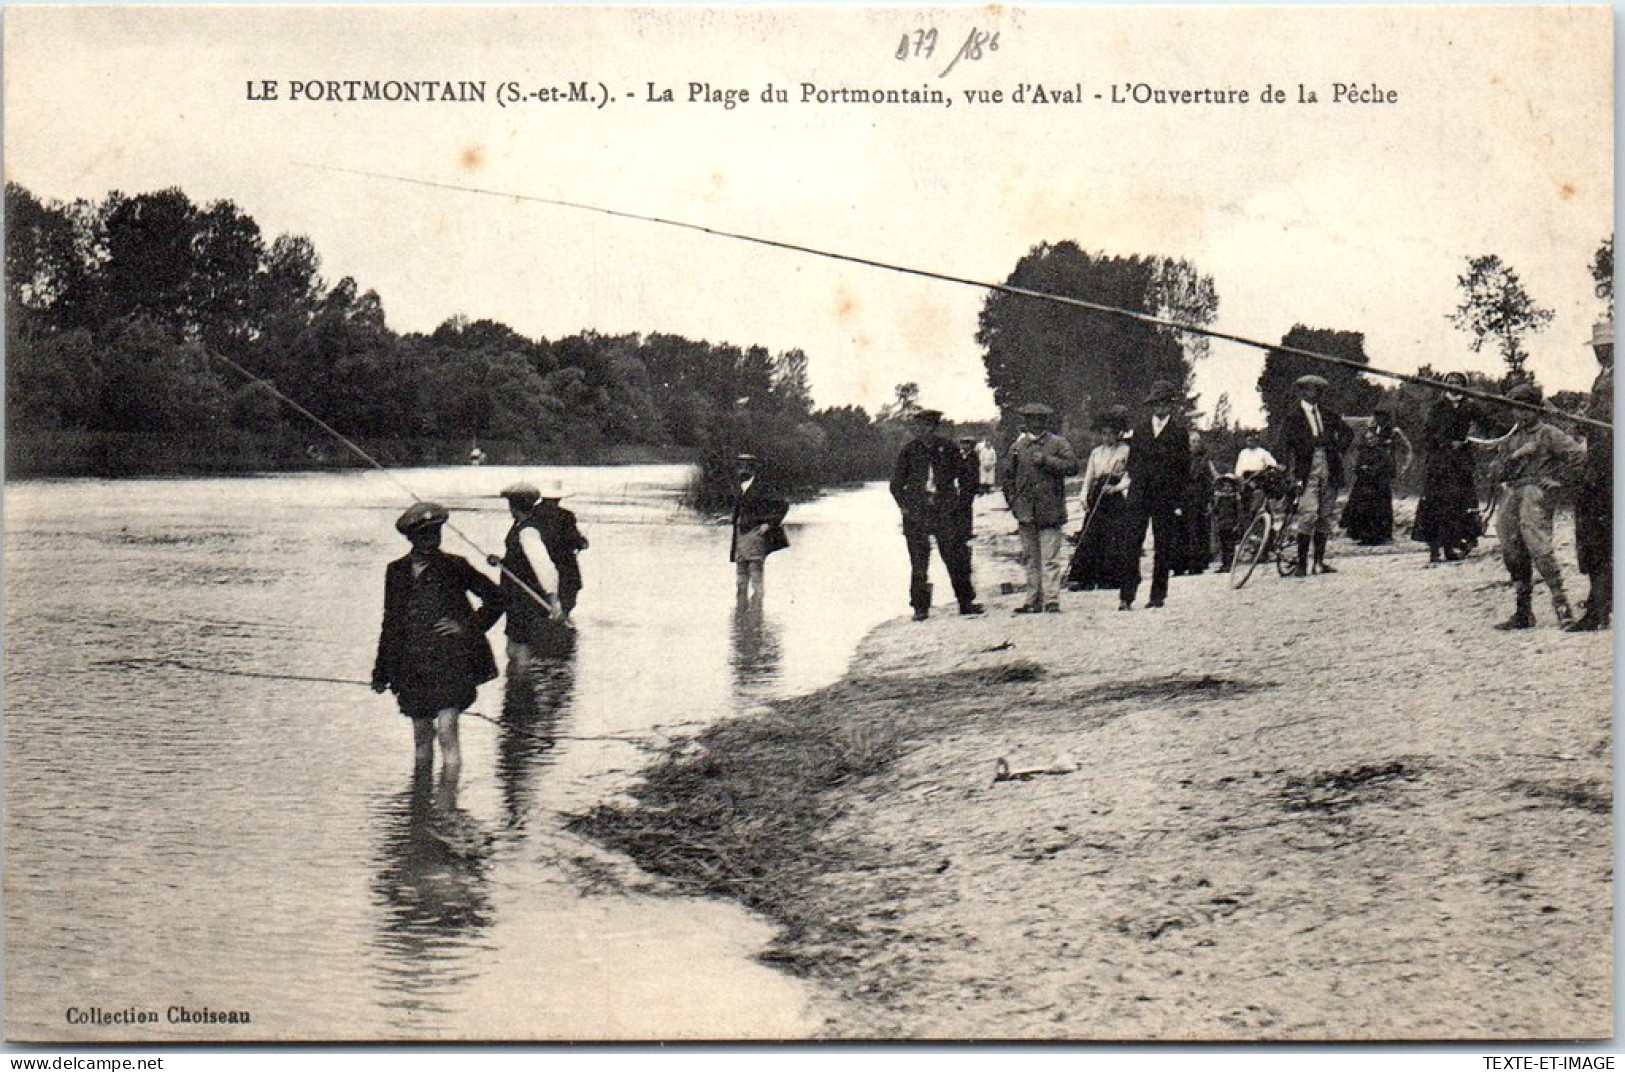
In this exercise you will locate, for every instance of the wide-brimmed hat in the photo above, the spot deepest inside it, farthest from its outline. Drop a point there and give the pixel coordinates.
(1311, 380)
(1602, 333)
(1114, 417)
(1527, 392)
(931, 415)
(1035, 409)
(421, 516)
(1457, 378)
(1161, 391)
(553, 489)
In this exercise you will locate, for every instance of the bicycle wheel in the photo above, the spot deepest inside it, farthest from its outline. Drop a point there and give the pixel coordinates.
(1251, 549)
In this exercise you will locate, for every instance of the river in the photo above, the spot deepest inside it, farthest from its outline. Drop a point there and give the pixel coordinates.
(182, 837)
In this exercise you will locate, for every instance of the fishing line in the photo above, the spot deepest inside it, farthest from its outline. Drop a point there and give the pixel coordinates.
(1002, 288)
(376, 464)
(134, 662)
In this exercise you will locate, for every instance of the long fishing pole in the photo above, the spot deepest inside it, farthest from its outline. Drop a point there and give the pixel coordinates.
(376, 464)
(1002, 288)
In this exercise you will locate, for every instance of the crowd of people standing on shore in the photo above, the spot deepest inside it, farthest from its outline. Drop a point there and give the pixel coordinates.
(1148, 476)
(1154, 476)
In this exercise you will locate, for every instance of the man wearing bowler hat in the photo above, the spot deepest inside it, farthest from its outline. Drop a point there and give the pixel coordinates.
(1159, 470)
(432, 651)
(933, 487)
(1313, 438)
(1035, 487)
(1594, 501)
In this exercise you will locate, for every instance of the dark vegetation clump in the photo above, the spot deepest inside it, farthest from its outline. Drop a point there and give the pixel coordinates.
(742, 811)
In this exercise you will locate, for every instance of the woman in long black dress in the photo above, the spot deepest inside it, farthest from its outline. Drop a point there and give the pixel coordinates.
(1447, 517)
(1108, 551)
(1368, 516)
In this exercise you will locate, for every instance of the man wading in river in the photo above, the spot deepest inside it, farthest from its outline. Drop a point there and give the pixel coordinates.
(528, 616)
(432, 650)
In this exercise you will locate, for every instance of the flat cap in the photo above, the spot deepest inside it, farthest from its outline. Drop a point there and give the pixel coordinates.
(932, 415)
(1602, 334)
(1035, 409)
(1311, 380)
(521, 492)
(421, 515)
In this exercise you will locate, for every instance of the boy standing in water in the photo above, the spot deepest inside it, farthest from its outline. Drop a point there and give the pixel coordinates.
(432, 651)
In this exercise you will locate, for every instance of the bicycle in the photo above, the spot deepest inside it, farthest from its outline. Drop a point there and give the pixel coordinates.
(1277, 508)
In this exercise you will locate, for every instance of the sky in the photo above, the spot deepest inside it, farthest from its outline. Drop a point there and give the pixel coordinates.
(1351, 215)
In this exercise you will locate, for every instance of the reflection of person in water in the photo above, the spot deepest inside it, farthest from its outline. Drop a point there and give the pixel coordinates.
(756, 653)
(531, 708)
(430, 889)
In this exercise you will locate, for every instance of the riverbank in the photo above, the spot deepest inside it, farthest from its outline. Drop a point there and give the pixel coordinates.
(1339, 808)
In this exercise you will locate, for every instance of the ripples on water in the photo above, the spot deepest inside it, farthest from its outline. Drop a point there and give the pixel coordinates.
(186, 837)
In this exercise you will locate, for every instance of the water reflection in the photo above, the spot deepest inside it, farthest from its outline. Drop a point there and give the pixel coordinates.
(539, 686)
(756, 656)
(431, 889)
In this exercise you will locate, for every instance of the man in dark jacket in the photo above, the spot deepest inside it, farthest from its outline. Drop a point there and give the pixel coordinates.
(1594, 500)
(564, 541)
(1159, 472)
(1313, 438)
(929, 485)
(526, 602)
(758, 529)
(432, 651)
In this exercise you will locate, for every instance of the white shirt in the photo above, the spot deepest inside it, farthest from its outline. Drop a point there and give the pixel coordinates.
(1157, 425)
(1312, 412)
(1253, 460)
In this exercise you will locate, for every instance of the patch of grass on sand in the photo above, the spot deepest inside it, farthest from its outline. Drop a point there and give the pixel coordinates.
(741, 810)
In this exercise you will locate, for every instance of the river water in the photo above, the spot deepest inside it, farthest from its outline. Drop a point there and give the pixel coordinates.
(181, 837)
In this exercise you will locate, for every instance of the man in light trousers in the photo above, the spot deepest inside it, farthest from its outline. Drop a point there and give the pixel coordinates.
(1035, 487)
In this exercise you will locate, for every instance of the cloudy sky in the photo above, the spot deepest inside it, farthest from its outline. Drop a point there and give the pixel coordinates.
(1349, 215)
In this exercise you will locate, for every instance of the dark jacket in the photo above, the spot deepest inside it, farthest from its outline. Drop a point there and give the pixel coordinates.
(1159, 467)
(451, 579)
(759, 505)
(929, 481)
(562, 539)
(1297, 444)
(524, 611)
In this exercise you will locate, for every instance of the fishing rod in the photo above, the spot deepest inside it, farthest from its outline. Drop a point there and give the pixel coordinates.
(1002, 288)
(133, 662)
(376, 464)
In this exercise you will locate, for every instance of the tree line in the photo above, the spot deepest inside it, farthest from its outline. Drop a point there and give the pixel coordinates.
(119, 313)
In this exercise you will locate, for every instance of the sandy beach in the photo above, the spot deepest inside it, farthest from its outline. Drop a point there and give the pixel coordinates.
(1342, 808)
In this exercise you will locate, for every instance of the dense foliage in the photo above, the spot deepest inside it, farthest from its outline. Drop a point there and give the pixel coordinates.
(119, 315)
(1080, 360)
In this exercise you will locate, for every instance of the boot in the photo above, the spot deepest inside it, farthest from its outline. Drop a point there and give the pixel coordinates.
(1320, 554)
(1524, 616)
(1302, 569)
(921, 598)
